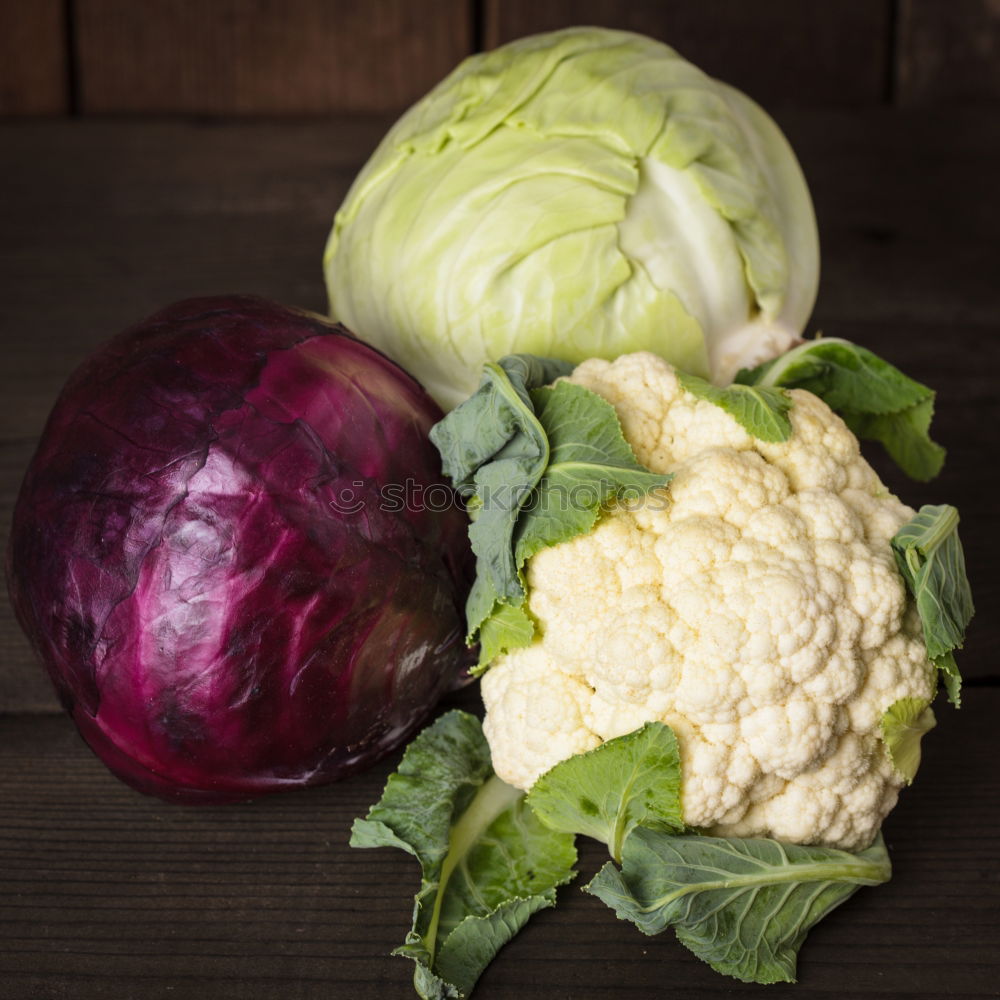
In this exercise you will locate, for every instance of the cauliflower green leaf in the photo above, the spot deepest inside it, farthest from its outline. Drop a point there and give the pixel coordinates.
(742, 906)
(494, 450)
(536, 465)
(590, 465)
(628, 781)
(905, 436)
(499, 412)
(492, 856)
(875, 399)
(761, 410)
(506, 627)
(904, 723)
(950, 676)
(930, 558)
(488, 864)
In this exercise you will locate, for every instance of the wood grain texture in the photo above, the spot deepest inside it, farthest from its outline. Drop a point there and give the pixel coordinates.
(265, 56)
(105, 893)
(33, 58)
(948, 53)
(781, 52)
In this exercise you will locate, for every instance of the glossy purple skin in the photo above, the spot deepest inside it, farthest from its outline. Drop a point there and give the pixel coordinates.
(202, 556)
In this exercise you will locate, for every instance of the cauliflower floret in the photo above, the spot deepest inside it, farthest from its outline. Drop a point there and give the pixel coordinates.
(754, 607)
(542, 718)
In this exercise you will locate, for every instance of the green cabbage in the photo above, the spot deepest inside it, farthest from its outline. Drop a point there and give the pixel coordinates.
(576, 194)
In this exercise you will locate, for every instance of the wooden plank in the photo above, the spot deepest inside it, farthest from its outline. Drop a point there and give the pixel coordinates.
(34, 71)
(948, 53)
(264, 56)
(778, 51)
(901, 243)
(153, 212)
(105, 893)
(24, 683)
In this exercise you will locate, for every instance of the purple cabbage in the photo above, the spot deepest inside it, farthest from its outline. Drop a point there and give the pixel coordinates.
(236, 555)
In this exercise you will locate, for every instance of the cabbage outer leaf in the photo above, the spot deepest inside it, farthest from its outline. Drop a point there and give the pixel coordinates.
(583, 193)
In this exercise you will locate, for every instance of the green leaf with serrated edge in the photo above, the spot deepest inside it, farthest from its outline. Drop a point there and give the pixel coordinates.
(844, 375)
(950, 677)
(876, 400)
(761, 411)
(494, 451)
(607, 792)
(506, 628)
(904, 435)
(590, 465)
(479, 605)
(499, 410)
(503, 486)
(541, 463)
(474, 943)
(903, 724)
(487, 863)
(742, 906)
(929, 555)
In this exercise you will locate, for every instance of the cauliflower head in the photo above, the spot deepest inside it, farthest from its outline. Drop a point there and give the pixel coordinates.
(754, 606)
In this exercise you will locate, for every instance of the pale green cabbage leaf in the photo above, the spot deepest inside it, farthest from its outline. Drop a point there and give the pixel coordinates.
(583, 193)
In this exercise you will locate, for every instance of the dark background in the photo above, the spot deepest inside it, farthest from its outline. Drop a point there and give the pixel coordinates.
(156, 149)
(282, 57)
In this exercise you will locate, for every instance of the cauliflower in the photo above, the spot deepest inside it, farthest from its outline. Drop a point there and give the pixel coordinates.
(754, 606)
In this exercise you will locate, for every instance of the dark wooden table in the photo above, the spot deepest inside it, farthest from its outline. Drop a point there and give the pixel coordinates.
(106, 893)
